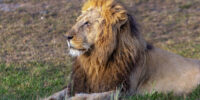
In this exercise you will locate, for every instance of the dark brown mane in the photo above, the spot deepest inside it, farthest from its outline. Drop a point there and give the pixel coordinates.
(133, 25)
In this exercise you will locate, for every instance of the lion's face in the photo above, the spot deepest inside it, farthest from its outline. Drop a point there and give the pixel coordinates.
(84, 33)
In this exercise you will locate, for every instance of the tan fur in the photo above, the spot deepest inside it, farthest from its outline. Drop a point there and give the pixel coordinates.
(169, 72)
(113, 55)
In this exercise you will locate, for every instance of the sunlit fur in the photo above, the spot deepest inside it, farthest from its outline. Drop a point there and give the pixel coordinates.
(117, 57)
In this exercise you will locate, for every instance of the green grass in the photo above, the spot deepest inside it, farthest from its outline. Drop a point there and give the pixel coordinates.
(37, 80)
(159, 96)
(195, 95)
(31, 81)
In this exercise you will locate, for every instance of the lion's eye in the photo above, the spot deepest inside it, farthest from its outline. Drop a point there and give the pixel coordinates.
(86, 23)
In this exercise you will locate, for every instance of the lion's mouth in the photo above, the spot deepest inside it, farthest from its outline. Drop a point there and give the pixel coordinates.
(75, 51)
(72, 47)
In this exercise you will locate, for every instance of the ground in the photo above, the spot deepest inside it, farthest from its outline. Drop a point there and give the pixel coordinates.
(33, 54)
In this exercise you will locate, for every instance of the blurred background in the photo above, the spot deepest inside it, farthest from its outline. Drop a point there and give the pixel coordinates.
(33, 52)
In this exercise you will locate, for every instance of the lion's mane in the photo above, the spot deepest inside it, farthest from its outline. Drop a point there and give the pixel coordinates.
(115, 56)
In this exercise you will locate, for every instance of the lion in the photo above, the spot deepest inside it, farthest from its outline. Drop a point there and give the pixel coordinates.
(112, 57)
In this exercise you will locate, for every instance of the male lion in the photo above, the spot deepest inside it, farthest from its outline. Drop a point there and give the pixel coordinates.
(110, 55)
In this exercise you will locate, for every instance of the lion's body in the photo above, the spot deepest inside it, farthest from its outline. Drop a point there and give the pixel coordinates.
(111, 54)
(168, 72)
(164, 72)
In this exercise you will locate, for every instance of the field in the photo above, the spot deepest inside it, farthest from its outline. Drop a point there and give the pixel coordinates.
(33, 54)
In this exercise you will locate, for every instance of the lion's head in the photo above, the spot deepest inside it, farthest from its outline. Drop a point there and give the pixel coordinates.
(98, 26)
(83, 34)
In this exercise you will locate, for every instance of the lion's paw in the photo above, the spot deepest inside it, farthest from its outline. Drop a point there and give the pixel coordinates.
(93, 96)
(80, 97)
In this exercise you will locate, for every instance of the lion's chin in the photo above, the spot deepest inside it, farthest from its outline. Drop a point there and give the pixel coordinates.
(75, 52)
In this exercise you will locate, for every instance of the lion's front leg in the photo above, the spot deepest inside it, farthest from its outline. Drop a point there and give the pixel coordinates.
(61, 95)
(97, 96)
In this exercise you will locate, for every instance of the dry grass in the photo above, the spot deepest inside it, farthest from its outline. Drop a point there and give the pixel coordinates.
(32, 30)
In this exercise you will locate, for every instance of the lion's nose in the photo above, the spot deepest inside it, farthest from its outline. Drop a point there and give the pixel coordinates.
(69, 37)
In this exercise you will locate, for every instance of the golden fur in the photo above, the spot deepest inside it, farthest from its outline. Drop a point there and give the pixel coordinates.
(111, 54)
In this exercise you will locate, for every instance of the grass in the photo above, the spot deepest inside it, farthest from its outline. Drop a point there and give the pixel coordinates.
(159, 96)
(33, 53)
(31, 81)
(37, 80)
